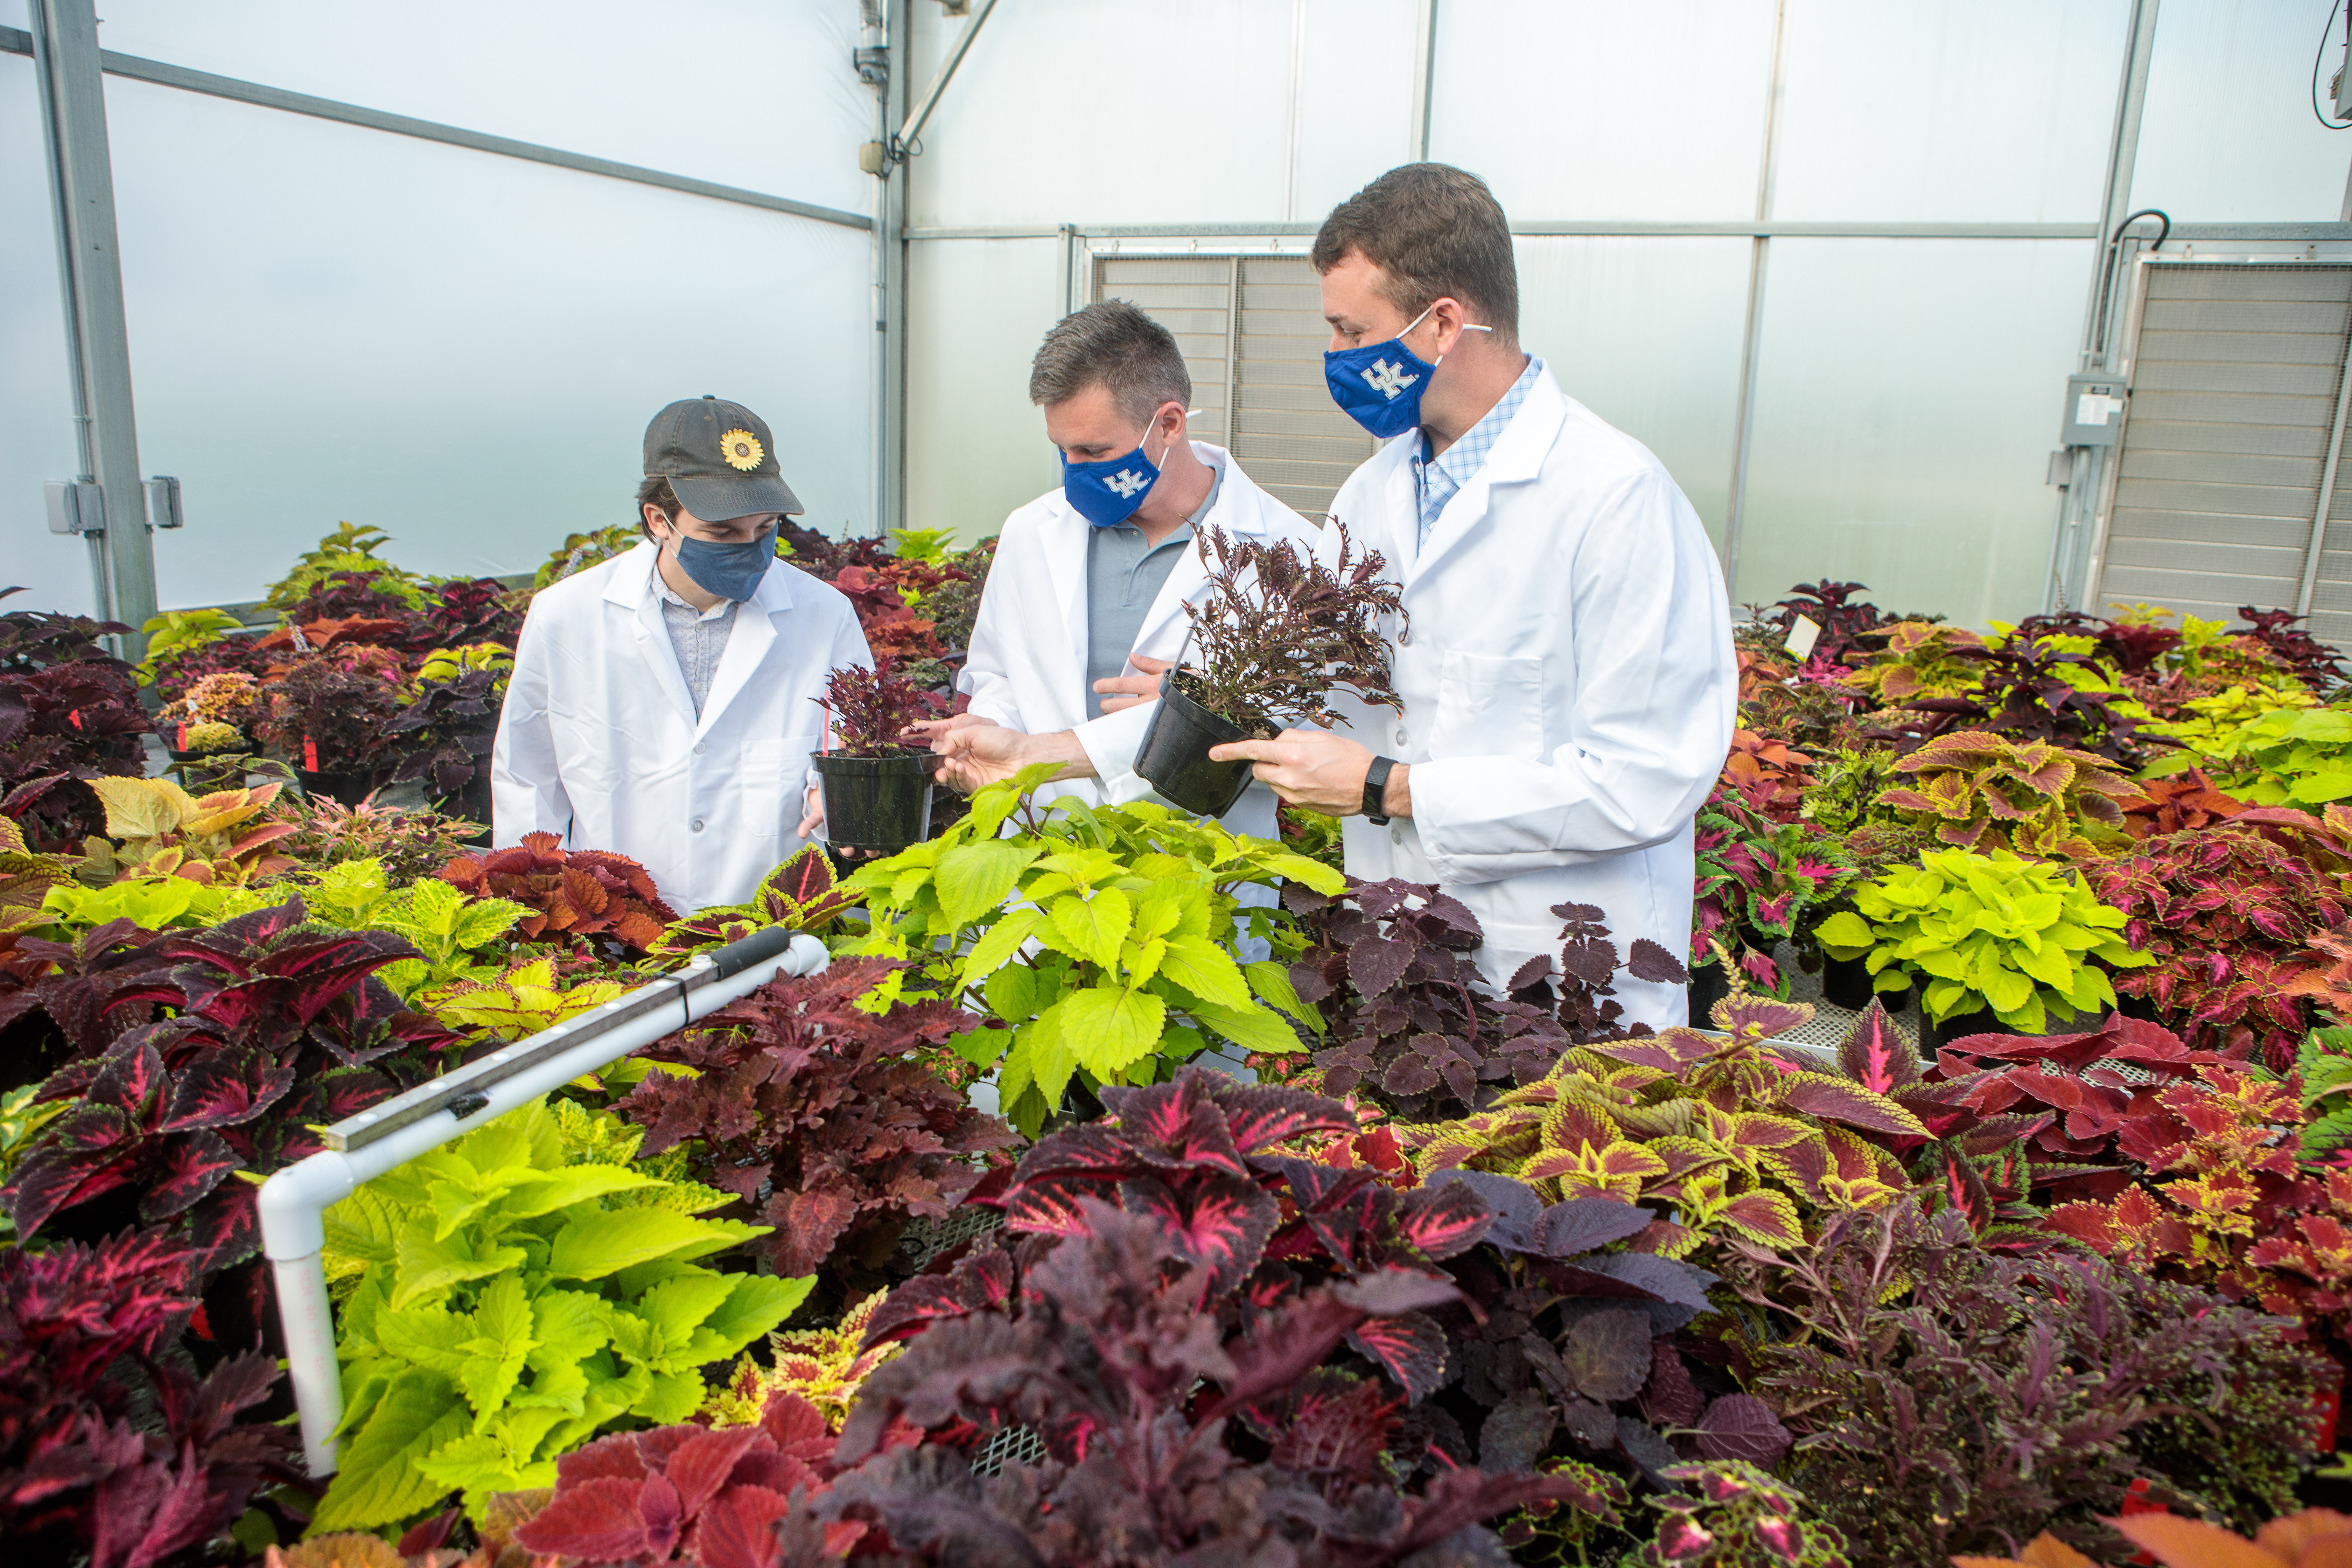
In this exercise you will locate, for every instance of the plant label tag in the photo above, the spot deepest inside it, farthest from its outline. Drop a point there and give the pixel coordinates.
(74, 715)
(310, 754)
(1802, 637)
(182, 741)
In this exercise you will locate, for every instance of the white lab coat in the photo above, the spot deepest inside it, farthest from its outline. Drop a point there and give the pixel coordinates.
(1568, 687)
(1027, 665)
(599, 745)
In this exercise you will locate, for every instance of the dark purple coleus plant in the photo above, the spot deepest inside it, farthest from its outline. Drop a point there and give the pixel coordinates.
(110, 1451)
(280, 1025)
(68, 710)
(80, 998)
(1411, 1022)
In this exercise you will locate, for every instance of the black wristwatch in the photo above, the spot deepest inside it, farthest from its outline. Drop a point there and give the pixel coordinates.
(1376, 785)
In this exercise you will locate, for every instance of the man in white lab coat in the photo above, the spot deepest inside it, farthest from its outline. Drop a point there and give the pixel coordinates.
(662, 702)
(1085, 602)
(1566, 668)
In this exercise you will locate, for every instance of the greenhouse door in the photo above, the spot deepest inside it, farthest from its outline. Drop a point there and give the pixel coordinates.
(2227, 489)
(1251, 328)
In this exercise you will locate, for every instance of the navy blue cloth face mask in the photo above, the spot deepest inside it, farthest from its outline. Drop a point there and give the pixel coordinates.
(730, 571)
(1378, 385)
(1106, 493)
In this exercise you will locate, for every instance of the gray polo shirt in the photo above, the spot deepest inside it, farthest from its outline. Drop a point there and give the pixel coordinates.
(1124, 575)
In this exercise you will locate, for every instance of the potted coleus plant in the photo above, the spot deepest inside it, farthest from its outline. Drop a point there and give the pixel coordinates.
(1278, 633)
(877, 789)
(2001, 945)
(330, 714)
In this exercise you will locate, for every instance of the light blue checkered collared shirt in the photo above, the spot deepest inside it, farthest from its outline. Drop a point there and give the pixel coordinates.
(1438, 481)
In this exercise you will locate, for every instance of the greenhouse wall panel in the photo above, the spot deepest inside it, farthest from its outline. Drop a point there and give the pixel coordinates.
(37, 439)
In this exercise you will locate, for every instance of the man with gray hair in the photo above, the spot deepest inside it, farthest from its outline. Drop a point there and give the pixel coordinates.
(1084, 606)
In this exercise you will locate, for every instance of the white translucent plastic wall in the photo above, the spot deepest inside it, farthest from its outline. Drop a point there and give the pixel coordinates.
(36, 394)
(975, 312)
(1906, 450)
(328, 322)
(2230, 136)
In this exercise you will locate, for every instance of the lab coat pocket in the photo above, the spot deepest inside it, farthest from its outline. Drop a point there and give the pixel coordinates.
(767, 793)
(1488, 706)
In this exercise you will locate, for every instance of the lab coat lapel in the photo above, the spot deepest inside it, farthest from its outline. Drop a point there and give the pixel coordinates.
(631, 588)
(1064, 542)
(747, 646)
(1518, 455)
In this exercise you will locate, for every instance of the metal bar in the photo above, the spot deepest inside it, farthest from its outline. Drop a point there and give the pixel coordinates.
(1425, 76)
(2100, 475)
(102, 592)
(2327, 485)
(2122, 155)
(1233, 345)
(914, 126)
(133, 68)
(73, 99)
(1751, 346)
(890, 454)
(1617, 227)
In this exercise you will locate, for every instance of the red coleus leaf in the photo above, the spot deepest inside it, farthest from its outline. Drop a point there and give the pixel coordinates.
(977, 1281)
(1260, 1116)
(1221, 1223)
(1410, 1347)
(1742, 1427)
(1875, 1055)
(193, 1165)
(1174, 1124)
(597, 1520)
(1443, 1221)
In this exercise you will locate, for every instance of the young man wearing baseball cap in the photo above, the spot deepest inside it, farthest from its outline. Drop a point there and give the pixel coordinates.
(663, 704)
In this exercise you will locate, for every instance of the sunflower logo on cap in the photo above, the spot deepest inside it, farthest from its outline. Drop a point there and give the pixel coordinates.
(741, 449)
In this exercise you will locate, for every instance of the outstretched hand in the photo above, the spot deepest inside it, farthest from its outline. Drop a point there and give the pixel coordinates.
(1118, 691)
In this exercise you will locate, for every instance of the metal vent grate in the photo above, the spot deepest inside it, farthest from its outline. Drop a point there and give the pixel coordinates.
(2234, 383)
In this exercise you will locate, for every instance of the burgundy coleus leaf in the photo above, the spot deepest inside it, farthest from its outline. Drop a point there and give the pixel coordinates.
(1818, 1094)
(1092, 1151)
(132, 1080)
(1046, 1207)
(1410, 1347)
(1742, 1427)
(1443, 1221)
(1653, 963)
(596, 1519)
(1964, 1189)
(1671, 1398)
(1513, 1204)
(739, 1530)
(1174, 1124)
(1221, 1224)
(977, 1281)
(194, 1164)
(230, 1086)
(1517, 1433)
(1607, 1353)
(1259, 1115)
(1376, 964)
(225, 1225)
(1875, 1056)
(56, 1174)
(1566, 1229)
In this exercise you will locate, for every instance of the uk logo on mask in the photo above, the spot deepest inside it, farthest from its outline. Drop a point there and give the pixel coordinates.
(1387, 379)
(1126, 483)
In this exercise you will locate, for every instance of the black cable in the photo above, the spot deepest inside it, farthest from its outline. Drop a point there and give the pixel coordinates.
(2095, 340)
(2317, 59)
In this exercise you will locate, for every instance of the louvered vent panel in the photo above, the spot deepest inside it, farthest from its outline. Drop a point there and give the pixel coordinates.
(2233, 397)
(1192, 297)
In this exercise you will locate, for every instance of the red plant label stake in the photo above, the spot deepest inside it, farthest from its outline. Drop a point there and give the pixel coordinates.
(310, 754)
(182, 741)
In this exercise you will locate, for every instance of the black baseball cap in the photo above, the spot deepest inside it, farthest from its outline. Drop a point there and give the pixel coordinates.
(720, 458)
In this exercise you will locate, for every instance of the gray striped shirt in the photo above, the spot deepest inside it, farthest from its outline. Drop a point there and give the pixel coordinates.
(698, 638)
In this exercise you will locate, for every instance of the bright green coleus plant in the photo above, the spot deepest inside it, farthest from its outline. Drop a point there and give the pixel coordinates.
(1102, 938)
(517, 1292)
(447, 929)
(2279, 755)
(1986, 932)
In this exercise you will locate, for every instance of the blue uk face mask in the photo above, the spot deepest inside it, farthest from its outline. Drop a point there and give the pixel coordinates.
(1106, 493)
(730, 571)
(1378, 385)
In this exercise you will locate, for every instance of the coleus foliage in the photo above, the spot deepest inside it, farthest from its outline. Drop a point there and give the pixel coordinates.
(1136, 1358)
(88, 1336)
(282, 1027)
(870, 711)
(2040, 691)
(1986, 932)
(825, 1366)
(1767, 775)
(2176, 803)
(1729, 1138)
(711, 1496)
(1280, 630)
(801, 894)
(1982, 791)
(2281, 632)
(83, 994)
(454, 935)
(1731, 1514)
(1837, 608)
(69, 709)
(830, 1122)
(588, 893)
(1409, 1020)
(229, 836)
(1101, 937)
(448, 728)
(1757, 880)
(1951, 1398)
(519, 1292)
(336, 706)
(2224, 913)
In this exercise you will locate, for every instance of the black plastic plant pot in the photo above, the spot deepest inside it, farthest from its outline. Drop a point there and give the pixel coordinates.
(1708, 986)
(1845, 983)
(877, 803)
(344, 789)
(1174, 757)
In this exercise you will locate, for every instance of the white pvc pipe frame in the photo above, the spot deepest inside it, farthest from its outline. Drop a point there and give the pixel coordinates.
(293, 1201)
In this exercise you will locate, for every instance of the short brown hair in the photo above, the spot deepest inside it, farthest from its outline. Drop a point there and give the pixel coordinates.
(1434, 231)
(655, 493)
(1112, 343)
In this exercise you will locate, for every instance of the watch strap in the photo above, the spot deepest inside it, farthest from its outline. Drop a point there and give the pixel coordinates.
(1376, 785)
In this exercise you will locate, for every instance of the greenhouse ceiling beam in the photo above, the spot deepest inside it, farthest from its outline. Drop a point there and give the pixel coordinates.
(902, 144)
(15, 40)
(1603, 227)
